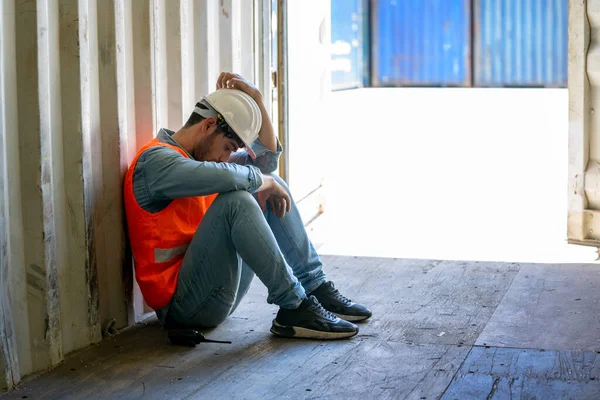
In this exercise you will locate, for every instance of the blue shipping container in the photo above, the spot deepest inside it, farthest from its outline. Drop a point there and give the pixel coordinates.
(422, 43)
(349, 35)
(521, 43)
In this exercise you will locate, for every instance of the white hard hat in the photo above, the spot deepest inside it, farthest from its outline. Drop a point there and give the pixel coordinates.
(238, 110)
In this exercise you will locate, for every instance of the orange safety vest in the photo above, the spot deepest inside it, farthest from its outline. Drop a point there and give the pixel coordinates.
(159, 240)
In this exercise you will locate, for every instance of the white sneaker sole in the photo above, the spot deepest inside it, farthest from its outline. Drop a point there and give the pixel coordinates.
(304, 333)
(352, 318)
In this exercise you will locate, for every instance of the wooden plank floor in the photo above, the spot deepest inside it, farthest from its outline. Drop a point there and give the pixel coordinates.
(508, 373)
(423, 342)
(549, 307)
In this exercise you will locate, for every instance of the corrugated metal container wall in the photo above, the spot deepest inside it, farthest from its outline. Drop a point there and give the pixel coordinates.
(521, 43)
(83, 84)
(349, 43)
(421, 43)
(583, 218)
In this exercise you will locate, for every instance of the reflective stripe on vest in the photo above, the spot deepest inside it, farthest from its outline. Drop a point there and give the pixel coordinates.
(164, 255)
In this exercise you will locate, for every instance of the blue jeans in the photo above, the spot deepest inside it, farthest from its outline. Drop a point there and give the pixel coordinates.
(234, 242)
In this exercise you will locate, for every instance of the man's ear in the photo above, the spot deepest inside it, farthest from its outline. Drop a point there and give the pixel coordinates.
(207, 124)
(211, 121)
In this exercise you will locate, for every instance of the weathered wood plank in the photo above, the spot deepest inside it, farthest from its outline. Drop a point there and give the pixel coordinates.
(549, 307)
(439, 376)
(436, 302)
(374, 369)
(503, 373)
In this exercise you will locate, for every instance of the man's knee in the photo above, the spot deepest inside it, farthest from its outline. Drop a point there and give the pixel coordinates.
(238, 197)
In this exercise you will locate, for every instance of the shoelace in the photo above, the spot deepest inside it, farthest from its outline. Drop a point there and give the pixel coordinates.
(339, 296)
(322, 311)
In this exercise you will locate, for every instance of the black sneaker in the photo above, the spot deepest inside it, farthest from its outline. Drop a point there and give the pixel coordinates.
(341, 306)
(311, 321)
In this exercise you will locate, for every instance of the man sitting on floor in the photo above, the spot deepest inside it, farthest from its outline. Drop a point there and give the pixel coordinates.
(199, 236)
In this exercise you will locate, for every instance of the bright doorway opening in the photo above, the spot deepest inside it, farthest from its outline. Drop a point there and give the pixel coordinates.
(461, 174)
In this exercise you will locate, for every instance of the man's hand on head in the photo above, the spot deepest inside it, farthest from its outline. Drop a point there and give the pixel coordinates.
(228, 80)
(266, 135)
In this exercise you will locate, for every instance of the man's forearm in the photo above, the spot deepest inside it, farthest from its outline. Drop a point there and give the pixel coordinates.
(168, 175)
(267, 183)
(266, 133)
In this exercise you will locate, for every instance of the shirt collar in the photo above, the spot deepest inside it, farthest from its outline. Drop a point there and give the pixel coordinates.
(166, 136)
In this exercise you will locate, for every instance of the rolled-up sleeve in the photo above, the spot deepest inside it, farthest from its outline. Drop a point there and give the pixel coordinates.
(168, 175)
(266, 159)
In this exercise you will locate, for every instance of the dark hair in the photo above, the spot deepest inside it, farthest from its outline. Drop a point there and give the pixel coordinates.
(223, 128)
(195, 118)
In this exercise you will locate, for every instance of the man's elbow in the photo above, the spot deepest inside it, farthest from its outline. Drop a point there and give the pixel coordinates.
(270, 170)
(268, 167)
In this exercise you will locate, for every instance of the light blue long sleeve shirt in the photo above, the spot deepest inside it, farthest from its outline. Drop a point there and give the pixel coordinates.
(162, 174)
